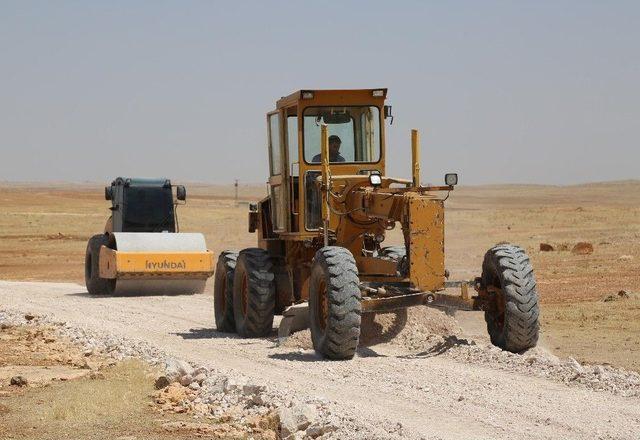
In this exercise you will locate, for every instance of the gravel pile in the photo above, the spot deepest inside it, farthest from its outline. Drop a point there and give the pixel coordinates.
(206, 392)
(423, 332)
(537, 362)
(410, 329)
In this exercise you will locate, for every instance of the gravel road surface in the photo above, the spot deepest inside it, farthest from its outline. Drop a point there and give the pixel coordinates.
(454, 387)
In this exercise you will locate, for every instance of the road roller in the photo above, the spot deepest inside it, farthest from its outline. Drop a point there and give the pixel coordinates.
(141, 250)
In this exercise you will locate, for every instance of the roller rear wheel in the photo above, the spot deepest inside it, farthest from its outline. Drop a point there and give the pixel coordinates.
(95, 284)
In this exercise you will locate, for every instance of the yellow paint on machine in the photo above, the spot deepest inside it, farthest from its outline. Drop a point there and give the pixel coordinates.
(114, 264)
(426, 243)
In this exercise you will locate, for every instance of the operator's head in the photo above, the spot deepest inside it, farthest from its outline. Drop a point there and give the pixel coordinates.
(334, 144)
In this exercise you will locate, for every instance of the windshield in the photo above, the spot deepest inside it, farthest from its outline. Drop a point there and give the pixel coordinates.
(148, 209)
(354, 133)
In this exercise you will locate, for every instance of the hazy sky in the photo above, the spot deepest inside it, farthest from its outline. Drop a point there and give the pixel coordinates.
(539, 91)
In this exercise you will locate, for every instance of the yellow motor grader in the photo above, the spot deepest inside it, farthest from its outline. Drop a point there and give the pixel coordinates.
(320, 261)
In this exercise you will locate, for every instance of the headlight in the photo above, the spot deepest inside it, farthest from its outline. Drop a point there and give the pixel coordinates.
(375, 180)
(451, 179)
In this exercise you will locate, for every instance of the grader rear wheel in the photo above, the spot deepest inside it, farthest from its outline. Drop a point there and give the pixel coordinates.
(513, 316)
(334, 303)
(253, 293)
(223, 292)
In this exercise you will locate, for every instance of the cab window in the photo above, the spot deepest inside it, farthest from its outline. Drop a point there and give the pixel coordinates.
(274, 144)
(355, 129)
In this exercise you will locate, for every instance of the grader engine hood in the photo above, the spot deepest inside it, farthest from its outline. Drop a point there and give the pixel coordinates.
(425, 242)
(418, 211)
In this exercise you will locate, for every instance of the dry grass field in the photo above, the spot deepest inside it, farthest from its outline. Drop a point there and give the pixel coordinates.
(69, 395)
(44, 229)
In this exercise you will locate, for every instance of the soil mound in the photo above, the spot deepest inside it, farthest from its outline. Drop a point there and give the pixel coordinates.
(412, 329)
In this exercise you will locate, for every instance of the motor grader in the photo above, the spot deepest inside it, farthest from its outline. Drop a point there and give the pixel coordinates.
(320, 261)
(141, 250)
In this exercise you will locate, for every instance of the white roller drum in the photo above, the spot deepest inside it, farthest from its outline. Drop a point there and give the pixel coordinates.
(159, 242)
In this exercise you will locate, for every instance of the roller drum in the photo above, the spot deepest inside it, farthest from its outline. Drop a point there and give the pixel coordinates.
(152, 243)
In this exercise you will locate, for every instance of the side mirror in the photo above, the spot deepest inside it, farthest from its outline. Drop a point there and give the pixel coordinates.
(388, 114)
(451, 179)
(181, 192)
(108, 193)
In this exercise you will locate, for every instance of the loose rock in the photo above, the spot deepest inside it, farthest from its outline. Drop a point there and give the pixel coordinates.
(304, 415)
(582, 248)
(19, 381)
(186, 380)
(175, 369)
(199, 378)
(288, 425)
(162, 382)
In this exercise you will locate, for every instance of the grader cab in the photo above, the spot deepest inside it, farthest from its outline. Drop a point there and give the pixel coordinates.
(320, 261)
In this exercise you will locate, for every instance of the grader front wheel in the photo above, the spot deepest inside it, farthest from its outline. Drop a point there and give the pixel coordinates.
(334, 303)
(513, 313)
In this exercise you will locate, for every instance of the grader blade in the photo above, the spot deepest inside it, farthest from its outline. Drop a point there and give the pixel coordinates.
(294, 319)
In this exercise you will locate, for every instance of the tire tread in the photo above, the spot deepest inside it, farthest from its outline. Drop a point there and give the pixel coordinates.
(261, 295)
(513, 268)
(342, 333)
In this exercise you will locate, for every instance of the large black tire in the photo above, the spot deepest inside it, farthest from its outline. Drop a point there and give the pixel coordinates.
(223, 292)
(95, 284)
(253, 293)
(335, 306)
(513, 314)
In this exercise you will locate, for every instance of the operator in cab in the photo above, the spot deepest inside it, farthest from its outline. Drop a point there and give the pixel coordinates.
(334, 151)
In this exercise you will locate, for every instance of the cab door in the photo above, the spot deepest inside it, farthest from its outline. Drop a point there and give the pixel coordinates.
(277, 168)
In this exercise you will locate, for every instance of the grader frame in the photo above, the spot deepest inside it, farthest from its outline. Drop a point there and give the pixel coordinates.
(319, 260)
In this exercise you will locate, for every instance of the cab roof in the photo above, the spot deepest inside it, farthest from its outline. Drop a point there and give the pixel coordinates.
(140, 181)
(334, 97)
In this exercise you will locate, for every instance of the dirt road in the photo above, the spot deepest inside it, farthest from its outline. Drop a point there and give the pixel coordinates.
(429, 393)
